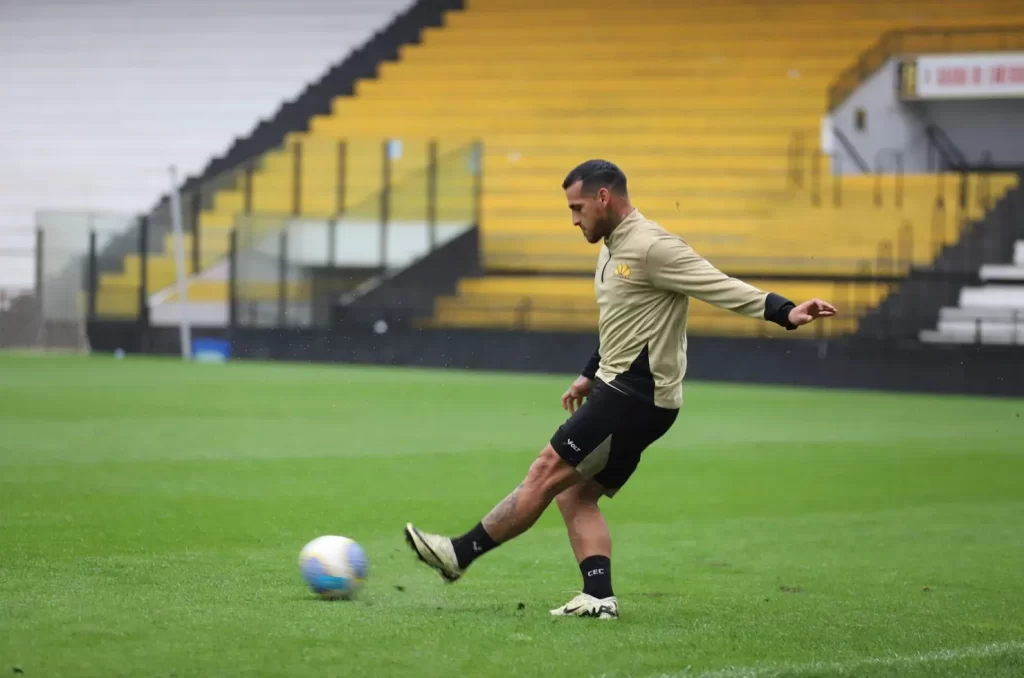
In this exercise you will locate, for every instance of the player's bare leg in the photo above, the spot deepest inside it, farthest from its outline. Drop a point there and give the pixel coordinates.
(592, 546)
(588, 531)
(549, 475)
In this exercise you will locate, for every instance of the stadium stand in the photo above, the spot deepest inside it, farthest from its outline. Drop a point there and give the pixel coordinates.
(702, 106)
(989, 313)
(704, 137)
(699, 105)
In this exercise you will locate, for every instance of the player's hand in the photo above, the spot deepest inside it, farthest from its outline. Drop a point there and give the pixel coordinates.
(809, 311)
(577, 393)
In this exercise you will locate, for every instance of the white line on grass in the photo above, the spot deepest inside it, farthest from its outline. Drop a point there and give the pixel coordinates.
(846, 668)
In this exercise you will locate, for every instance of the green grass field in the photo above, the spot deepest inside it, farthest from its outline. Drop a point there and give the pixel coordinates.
(151, 514)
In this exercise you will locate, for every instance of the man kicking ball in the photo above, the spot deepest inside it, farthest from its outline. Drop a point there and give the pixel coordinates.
(628, 395)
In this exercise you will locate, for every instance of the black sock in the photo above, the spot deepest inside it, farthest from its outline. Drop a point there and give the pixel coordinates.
(597, 576)
(472, 545)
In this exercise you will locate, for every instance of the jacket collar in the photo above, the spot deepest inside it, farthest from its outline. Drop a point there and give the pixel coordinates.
(625, 227)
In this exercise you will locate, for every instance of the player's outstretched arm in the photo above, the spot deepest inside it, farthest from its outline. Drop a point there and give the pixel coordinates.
(673, 265)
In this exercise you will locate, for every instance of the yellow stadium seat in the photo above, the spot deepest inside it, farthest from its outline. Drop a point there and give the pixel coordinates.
(699, 103)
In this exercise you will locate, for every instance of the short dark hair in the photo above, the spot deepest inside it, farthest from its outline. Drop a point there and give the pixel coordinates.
(596, 174)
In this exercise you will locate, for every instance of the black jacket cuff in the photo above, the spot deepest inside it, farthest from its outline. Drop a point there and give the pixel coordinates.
(590, 371)
(776, 310)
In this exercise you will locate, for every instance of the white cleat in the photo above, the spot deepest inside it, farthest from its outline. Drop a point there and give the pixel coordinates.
(585, 605)
(434, 550)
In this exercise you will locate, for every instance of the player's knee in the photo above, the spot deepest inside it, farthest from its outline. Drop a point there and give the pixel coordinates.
(544, 467)
(567, 501)
(578, 497)
(550, 473)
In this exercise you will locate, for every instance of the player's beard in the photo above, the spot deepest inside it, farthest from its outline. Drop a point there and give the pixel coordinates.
(608, 222)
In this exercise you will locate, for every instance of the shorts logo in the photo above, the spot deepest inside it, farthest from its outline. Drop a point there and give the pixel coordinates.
(573, 445)
(622, 270)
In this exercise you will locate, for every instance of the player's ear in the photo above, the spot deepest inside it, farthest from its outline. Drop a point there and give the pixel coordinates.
(604, 196)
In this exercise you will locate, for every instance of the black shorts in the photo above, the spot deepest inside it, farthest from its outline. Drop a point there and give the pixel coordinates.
(604, 439)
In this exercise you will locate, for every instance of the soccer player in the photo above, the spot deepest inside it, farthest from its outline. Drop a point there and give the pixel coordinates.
(629, 393)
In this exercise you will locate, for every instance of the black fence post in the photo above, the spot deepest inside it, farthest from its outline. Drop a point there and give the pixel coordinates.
(282, 279)
(879, 171)
(385, 201)
(143, 314)
(478, 183)
(197, 208)
(297, 178)
(938, 226)
(837, 180)
(790, 159)
(233, 280)
(816, 179)
(964, 190)
(522, 313)
(899, 179)
(247, 188)
(796, 159)
(905, 247)
(339, 212)
(884, 259)
(342, 168)
(432, 194)
(93, 274)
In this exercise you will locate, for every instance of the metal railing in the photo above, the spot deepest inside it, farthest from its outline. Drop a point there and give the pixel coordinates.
(896, 157)
(943, 153)
(836, 177)
(316, 192)
(805, 169)
(851, 150)
(1014, 326)
(280, 262)
(288, 272)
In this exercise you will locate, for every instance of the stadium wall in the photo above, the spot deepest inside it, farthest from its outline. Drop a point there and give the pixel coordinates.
(992, 129)
(984, 130)
(847, 364)
(888, 124)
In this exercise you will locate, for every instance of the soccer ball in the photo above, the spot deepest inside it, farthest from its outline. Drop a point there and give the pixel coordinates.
(333, 567)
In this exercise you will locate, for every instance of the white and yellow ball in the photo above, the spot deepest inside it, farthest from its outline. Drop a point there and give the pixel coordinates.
(334, 567)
